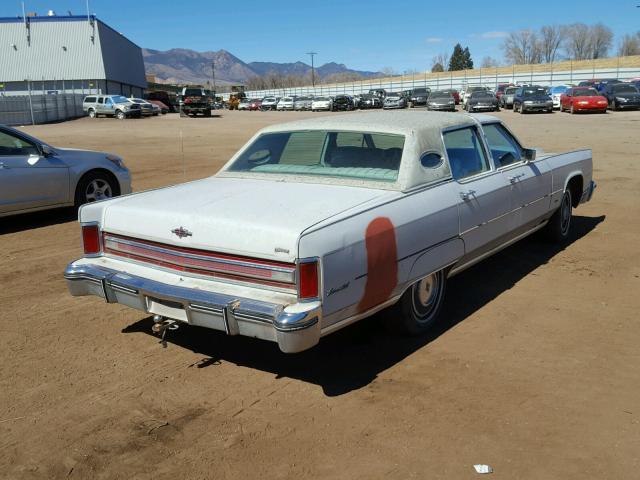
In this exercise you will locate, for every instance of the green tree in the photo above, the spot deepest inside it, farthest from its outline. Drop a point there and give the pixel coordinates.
(456, 62)
(468, 63)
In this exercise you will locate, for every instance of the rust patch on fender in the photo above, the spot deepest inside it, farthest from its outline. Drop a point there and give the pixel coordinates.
(382, 263)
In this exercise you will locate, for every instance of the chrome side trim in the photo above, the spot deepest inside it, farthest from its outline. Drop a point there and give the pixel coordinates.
(470, 263)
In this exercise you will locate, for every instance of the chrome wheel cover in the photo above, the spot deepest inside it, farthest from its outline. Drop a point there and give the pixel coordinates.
(426, 295)
(98, 189)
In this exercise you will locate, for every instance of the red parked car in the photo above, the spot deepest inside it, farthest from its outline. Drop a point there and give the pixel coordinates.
(583, 99)
(255, 104)
(163, 107)
(501, 88)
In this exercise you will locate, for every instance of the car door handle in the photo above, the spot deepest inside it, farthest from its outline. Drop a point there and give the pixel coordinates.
(515, 178)
(466, 196)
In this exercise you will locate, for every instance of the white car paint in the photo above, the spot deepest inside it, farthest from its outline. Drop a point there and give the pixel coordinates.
(435, 222)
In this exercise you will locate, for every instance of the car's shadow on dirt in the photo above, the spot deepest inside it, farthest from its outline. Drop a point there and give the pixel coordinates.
(44, 218)
(353, 357)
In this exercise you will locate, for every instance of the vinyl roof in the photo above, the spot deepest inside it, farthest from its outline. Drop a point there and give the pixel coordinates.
(398, 122)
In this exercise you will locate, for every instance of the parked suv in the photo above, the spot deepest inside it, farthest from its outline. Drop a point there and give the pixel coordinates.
(110, 105)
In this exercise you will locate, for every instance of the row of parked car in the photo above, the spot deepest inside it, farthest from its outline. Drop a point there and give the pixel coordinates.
(597, 94)
(589, 95)
(121, 107)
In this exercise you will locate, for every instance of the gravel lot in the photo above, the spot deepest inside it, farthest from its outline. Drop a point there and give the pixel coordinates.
(536, 371)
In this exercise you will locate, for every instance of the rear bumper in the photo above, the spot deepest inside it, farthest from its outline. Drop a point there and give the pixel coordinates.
(293, 327)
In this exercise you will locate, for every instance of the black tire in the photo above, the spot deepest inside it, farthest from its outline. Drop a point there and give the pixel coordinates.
(521, 110)
(120, 115)
(92, 113)
(559, 226)
(94, 186)
(418, 309)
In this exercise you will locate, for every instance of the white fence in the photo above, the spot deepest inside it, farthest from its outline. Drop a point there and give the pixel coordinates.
(456, 80)
(34, 109)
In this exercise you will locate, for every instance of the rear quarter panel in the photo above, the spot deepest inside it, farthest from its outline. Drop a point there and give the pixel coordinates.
(369, 258)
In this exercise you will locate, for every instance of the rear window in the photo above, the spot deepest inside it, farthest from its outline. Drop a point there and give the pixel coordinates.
(192, 92)
(361, 155)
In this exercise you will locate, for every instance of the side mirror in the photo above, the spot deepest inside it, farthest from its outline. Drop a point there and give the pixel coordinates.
(529, 154)
(45, 151)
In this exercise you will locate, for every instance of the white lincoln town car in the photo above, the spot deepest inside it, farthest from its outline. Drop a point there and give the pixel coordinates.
(318, 223)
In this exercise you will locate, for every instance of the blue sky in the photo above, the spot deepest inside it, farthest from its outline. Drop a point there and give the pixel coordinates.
(402, 34)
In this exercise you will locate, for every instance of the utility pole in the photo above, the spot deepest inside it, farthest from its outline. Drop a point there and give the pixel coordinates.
(313, 73)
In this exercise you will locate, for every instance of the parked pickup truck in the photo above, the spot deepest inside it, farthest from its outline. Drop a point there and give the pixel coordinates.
(194, 100)
(316, 224)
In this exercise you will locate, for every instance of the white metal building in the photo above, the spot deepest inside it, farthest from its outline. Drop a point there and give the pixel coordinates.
(73, 53)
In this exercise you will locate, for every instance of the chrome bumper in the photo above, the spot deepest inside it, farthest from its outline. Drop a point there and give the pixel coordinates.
(294, 327)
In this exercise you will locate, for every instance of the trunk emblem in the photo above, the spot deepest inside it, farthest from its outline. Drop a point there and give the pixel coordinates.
(181, 232)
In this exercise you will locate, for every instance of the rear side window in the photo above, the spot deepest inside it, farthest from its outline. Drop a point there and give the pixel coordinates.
(100, 100)
(504, 148)
(90, 99)
(466, 155)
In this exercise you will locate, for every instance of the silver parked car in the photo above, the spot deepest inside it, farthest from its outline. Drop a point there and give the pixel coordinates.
(36, 176)
(506, 99)
(111, 106)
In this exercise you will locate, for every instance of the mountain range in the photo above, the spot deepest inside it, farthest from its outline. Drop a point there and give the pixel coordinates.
(181, 65)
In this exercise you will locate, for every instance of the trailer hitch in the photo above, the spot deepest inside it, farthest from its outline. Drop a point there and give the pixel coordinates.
(160, 327)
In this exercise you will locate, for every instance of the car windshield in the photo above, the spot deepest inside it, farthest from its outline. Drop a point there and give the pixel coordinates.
(192, 92)
(533, 91)
(585, 92)
(393, 95)
(481, 95)
(287, 99)
(419, 91)
(120, 99)
(269, 99)
(321, 99)
(510, 91)
(624, 89)
(347, 154)
(439, 95)
(560, 89)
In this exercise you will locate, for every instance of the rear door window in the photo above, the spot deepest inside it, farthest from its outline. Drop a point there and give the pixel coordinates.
(465, 152)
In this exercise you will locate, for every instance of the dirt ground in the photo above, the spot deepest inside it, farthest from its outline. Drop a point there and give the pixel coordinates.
(536, 370)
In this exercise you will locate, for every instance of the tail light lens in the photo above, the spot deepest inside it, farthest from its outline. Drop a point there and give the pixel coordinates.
(91, 239)
(308, 280)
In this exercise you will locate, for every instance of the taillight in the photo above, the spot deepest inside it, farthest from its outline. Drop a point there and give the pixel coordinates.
(308, 280)
(91, 239)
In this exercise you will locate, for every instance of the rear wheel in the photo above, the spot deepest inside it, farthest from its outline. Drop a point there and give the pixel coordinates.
(419, 307)
(92, 113)
(557, 230)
